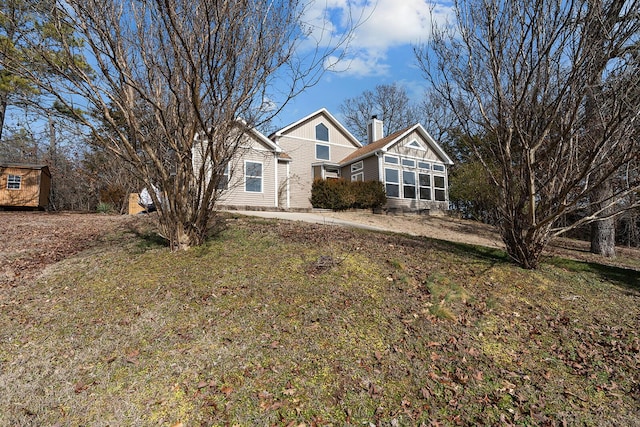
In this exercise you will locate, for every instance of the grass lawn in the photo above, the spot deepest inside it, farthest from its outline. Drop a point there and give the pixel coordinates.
(278, 323)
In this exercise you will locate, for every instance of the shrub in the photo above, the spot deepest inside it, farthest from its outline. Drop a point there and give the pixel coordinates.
(339, 194)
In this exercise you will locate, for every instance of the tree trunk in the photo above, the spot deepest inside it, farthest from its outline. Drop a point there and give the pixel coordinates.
(4, 102)
(603, 232)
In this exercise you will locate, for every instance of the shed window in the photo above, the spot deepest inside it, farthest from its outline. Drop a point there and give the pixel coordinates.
(322, 152)
(253, 177)
(14, 182)
(322, 132)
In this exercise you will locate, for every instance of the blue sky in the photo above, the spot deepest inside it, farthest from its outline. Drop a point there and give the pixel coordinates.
(380, 51)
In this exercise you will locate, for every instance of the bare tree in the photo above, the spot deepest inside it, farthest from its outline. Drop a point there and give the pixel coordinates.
(170, 76)
(388, 101)
(550, 86)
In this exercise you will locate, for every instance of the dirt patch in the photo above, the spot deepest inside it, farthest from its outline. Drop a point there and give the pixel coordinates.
(435, 227)
(31, 241)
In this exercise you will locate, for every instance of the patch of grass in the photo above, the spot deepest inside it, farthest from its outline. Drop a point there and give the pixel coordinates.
(386, 330)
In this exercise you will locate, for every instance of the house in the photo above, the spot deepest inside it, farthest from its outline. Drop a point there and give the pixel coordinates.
(410, 164)
(277, 172)
(24, 185)
(315, 144)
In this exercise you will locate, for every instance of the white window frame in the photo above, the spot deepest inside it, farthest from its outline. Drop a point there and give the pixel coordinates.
(424, 187)
(223, 180)
(328, 151)
(391, 160)
(247, 176)
(316, 131)
(424, 165)
(437, 189)
(357, 166)
(388, 183)
(358, 177)
(438, 167)
(406, 172)
(409, 163)
(415, 145)
(14, 182)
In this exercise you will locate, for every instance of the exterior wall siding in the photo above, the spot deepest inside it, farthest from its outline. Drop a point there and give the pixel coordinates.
(34, 188)
(300, 143)
(236, 195)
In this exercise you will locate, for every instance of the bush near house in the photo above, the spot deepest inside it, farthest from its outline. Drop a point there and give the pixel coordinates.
(339, 194)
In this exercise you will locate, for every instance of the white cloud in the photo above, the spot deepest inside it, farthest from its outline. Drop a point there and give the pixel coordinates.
(383, 25)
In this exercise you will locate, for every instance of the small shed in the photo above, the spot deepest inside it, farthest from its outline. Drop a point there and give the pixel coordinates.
(24, 185)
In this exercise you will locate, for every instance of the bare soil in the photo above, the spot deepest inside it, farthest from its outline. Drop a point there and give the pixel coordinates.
(31, 241)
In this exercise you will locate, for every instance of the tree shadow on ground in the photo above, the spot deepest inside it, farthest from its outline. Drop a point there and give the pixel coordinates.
(626, 277)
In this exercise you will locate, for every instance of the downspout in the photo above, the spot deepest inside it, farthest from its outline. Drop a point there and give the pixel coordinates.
(275, 179)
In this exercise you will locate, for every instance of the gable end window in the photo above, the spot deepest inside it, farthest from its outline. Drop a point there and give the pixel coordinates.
(14, 182)
(322, 132)
(322, 152)
(253, 177)
(415, 144)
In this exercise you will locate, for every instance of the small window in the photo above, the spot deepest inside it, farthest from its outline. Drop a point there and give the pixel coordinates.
(424, 180)
(392, 182)
(409, 184)
(357, 166)
(439, 188)
(322, 132)
(424, 165)
(391, 160)
(357, 177)
(253, 177)
(14, 182)
(322, 152)
(223, 178)
(415, 144)
(437, 167)
(408, 162)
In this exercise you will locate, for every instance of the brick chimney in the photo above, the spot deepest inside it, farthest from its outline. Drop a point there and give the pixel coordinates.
(375, 130)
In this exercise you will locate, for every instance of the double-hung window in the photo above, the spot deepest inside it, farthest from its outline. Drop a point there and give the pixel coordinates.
(392, 182)
(253, 177)
(14, 182)
(223, 178)
(439, 188)
(424, 180)
(409, 184)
